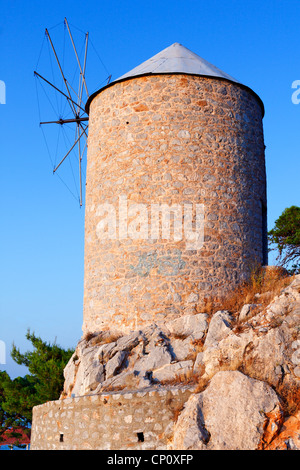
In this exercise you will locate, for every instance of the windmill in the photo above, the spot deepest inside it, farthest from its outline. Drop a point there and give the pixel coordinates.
(74, 100)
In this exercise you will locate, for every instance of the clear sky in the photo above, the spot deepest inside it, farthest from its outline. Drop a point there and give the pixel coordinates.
(42, 226)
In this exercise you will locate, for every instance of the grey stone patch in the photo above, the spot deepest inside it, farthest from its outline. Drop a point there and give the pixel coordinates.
(189, 325)
(182, 348)
(114, 364)
(229, 415)
(157, 357)
(172, 371)
(246, 311)
(220, 326)
(169, 264)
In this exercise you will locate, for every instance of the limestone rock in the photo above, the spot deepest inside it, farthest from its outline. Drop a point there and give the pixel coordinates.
(226, 354)
(70, 371)
(263, 347)
(189, 325)
(189, 431)
(246, 311)
(288, 437)
(219, 327)
(156, 358)
(181, 349)
(248, 367)
(127, 342)
(172, 371)
(229, 415)
(114, 364)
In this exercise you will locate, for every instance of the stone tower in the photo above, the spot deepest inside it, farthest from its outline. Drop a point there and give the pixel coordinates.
(175, 194)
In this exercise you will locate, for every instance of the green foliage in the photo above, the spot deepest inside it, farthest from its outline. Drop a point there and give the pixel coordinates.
(44, 382)
(12, 414)
(46, 364)
(286, 236)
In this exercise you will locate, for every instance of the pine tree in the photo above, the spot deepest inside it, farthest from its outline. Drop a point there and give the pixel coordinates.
(286, 236)
(43, 383)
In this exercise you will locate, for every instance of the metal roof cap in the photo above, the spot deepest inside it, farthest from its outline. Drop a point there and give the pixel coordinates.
(175, 59)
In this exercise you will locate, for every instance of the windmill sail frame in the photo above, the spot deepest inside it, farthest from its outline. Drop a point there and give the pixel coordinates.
(80, 117)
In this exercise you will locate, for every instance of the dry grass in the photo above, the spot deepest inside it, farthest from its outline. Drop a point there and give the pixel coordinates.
(198, 343)
(112, 338)
(88, 336)
(197, 348)
(175, 408)
(201, 385)
(187, 378)
(113, 388)
(177, 412)
(267, 282)
(104, 337)
(290, 396)
(181, 336)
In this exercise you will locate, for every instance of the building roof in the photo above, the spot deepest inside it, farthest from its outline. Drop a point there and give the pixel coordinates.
(175, 59)
(15, 436)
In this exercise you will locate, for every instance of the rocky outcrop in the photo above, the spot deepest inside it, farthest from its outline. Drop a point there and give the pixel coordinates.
(137, 360)
(229, 415)
(245, 369)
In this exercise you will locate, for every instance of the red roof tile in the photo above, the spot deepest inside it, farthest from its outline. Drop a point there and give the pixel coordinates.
(7, 439)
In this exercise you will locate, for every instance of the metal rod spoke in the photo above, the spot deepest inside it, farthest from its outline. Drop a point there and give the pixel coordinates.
(77, 94)
(84, 129)
(65, 121)
(61, 71)
(84, 67)
(80, 169)
(68, 152)
(80, 185)
(57, 89)
(71, 37)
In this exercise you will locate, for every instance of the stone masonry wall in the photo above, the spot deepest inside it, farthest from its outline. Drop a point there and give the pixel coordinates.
(109, 421)
(173, 140)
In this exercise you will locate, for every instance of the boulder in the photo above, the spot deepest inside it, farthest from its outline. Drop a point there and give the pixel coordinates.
(193, 326)
(182, 349)
(157, 357)
(219, 327)
(247, 311)
(169, 372)
(229, 415)
(114, 364)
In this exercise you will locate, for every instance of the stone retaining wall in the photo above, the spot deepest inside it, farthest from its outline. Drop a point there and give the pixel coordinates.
(109, 421)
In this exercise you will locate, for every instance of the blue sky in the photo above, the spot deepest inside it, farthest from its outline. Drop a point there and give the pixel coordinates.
(42, 226)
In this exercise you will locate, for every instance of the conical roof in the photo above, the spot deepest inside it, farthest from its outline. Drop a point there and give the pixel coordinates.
(177, 59)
